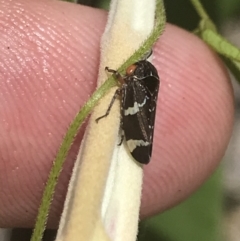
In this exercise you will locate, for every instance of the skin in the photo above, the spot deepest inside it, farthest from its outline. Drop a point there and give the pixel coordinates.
(48, 69)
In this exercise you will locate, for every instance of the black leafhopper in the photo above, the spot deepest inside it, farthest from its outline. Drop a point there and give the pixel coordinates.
(138, 92)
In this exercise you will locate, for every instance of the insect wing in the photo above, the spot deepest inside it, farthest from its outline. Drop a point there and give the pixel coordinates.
(138, 116)
(151, 84)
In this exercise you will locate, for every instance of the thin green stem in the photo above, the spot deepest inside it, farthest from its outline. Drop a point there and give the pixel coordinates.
(207, 31)
(81, 116)
(200, 9)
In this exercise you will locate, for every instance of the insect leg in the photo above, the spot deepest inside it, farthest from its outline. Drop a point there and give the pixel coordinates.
(148, 54)
(112, 71)
(117, 93)
(116, 74)
(121, 133)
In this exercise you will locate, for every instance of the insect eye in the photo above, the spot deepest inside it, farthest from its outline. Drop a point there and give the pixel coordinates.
(130, 70)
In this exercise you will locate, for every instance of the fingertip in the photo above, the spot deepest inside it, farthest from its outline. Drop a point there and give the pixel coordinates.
(62, 41)
(49, 64)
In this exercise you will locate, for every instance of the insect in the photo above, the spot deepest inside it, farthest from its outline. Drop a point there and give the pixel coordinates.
(138, 92)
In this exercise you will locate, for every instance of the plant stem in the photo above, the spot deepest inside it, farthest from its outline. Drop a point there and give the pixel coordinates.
(200, 9)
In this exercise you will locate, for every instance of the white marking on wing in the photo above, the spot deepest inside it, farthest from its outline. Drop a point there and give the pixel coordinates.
(132, 144)
(133, 110)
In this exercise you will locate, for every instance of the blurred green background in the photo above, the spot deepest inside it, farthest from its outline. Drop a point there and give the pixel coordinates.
(181, 12)
(200, 217)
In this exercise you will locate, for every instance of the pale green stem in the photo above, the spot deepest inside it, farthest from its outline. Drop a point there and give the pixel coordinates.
(208, 32)
(200, 9)
(221, 45)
